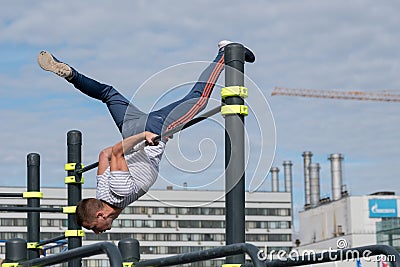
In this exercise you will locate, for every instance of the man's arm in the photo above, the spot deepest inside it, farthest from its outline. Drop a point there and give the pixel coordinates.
(132, 141)
(118, 162)
(104, 160)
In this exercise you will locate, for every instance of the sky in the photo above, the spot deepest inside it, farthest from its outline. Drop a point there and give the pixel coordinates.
(151, 51)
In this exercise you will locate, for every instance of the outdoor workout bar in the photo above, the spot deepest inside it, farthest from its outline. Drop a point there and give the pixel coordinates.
(11, 194)
(234, 151)
(30, 209)
(130, 251)
(33, 187)
(77, 253)
(74, 156)
(51, 240)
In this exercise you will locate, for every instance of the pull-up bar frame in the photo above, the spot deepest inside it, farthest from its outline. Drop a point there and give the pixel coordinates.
(234, 152)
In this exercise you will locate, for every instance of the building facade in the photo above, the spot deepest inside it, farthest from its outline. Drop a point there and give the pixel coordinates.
(388, 232)
(166, 222)
(349, 222)
(343, 221)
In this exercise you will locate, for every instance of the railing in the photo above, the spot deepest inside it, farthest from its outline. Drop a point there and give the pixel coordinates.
(86, 251)
(213, 253)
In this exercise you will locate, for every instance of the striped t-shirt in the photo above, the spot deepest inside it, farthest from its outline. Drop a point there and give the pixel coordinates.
(120, 188)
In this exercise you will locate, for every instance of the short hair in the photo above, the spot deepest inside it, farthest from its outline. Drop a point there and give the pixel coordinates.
(86, 210)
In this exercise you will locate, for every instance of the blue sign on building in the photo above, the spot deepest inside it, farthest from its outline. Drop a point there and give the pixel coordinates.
(382, 208)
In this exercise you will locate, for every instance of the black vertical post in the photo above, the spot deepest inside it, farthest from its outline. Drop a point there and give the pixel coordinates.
(16, 250)
(33, 185)
(74, 145)
(130, 250)
(234, 153)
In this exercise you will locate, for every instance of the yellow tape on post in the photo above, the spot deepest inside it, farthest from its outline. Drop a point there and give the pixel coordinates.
(231, 265)
(72, 180)
(15, 264)
(72, 233)
(234, 109)
(234, 91)
(33, 245)
(69, 209)
(32, 194)
(128, 264)
(71, 166)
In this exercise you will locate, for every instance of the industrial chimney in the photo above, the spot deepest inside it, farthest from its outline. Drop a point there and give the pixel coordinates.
(287, 172)
(314, 184)
(307, 161)
(275, 179)
(336, 175)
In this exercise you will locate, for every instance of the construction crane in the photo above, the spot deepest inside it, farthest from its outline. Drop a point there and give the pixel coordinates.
(336, 94)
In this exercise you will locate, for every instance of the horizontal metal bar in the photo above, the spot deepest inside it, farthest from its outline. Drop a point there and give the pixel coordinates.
(213, 253)
(51, 240)
(27, 209)
(108, 248)
(11, 194)
(87, 168)
(181, 127)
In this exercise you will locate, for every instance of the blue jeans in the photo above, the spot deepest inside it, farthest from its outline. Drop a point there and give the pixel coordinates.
(130, 120)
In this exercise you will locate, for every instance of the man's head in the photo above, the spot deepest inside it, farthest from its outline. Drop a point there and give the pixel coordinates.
(94, 214)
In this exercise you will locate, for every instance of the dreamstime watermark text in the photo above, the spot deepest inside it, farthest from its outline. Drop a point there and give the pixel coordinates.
(340, 253)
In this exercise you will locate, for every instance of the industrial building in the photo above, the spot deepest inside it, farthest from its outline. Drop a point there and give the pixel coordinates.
(344, 221)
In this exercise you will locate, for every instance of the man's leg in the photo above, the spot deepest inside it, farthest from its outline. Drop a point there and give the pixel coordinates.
(116, 103)
(185, 109)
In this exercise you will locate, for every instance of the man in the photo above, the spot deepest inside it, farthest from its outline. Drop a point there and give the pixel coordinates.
(125, 171)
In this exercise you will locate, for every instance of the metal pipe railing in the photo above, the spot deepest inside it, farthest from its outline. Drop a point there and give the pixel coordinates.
(86, 251)
(213, 253)
(18, 195)
(51, 240)
(28, 209)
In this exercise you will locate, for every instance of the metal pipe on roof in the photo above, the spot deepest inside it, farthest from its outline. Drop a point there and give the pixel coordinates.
(307, 161)
(336, 175)
(314, 184)
(287, 173)
(275, 179)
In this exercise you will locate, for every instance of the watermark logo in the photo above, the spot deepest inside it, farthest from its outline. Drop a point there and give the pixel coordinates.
(341, 253)
(342, 243)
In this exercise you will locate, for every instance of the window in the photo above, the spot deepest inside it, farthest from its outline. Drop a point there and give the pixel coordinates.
(159, 210)
(189, 224)
(7, 222)
(20, 222)
(149, 223)
(127, 223)
(208, 237)
(138, 223)
(173, 250)
(279, 237)
(172, 211)
(148, 250)
(183, 211)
